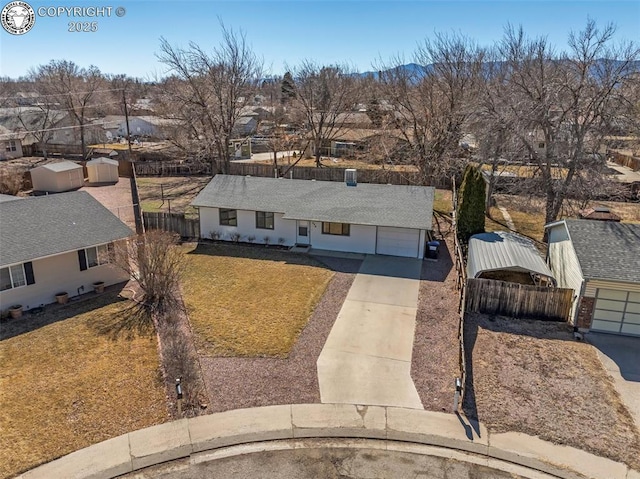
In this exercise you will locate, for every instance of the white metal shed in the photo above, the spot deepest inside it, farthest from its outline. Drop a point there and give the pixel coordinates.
(102, 170)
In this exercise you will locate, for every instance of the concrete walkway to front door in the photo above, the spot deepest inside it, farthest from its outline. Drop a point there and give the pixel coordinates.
(367, 356)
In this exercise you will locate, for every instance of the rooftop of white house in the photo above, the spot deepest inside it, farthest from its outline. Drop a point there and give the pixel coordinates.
(365, 204)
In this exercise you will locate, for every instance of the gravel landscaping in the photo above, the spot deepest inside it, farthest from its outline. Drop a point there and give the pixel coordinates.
(434, 363)
(234, 383)
(534, 377)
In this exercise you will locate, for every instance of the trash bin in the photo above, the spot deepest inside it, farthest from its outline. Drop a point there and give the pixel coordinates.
(432, 249)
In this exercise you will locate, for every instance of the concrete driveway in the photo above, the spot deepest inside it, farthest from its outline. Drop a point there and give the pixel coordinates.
(620, 355)
(367, 356)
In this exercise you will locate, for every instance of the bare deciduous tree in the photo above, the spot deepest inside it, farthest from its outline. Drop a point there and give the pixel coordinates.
(208, 92)
(73, 88)
(433, 99)
(324, 97)
(156, 264)
(559, 106)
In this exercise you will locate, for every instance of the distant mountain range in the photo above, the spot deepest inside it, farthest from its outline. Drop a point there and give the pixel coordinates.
(413, 69)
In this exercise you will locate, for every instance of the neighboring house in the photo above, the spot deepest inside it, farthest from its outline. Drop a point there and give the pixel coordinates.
(57, 177)
(64, 131)
(601, 213)
(10, 144)
(102, 170)
(600, 261)
(364, 218)
(147, 126)
(56, 243)
(508, 257)
(245, 125)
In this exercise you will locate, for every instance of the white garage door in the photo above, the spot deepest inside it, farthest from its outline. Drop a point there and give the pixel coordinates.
(617, 312)
(398, 241)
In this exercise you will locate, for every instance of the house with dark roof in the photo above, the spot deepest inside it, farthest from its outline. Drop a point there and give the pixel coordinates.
(600, 261)
(56, 243)
(350, 217)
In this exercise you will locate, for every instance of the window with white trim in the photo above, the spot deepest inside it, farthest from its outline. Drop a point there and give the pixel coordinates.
(16, 276)
(97, 256)
(11, 146)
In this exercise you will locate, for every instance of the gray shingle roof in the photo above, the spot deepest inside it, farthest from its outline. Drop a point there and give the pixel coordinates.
(504, 251)
(365, 204)
(607, 249)
(46, 225)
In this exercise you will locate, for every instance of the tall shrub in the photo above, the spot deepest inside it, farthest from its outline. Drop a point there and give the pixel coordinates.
(471, 204)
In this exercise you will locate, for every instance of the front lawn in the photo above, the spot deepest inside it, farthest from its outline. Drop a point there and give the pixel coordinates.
(65, 385)
(250, 301)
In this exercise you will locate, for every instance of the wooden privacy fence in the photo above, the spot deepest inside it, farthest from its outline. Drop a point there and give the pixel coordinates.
(517, 300)
(379, 176)
(629, 161)
(174, 222)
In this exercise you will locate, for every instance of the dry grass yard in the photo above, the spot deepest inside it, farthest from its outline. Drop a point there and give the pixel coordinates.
(533, 377)
(65, 385)
(250, 301)
(179, 192)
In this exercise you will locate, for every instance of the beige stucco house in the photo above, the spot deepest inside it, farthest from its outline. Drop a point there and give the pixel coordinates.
(10, 144)
(56, 243)
(600, 261)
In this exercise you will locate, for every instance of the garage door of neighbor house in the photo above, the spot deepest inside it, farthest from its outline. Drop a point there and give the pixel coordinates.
(398, 241)
(617, 312)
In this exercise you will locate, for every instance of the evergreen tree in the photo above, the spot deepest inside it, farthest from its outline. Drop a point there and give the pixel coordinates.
(288, 88)
(471, 204)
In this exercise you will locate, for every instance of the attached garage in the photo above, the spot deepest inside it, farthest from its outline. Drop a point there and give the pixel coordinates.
(600, 261)
(57, 177)
(616, 312)
(398, 242)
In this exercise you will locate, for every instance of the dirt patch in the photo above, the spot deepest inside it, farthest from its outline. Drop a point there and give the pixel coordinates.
(434, 364)
(533, 377)
(250, 382)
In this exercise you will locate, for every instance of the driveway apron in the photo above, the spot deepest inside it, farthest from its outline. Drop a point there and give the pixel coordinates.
(367, 356)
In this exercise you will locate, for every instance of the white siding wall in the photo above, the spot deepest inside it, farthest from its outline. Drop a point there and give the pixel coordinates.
(362, 239)
(57, 274)
(592, 285)
(210, 221)
(563, 262)
(10, 144)
(423, 243)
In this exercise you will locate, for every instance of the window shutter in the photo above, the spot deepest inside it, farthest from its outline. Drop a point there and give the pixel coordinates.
(82, 258)
(28, 272)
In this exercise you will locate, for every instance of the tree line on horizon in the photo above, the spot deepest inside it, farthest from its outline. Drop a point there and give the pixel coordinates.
(520, 99)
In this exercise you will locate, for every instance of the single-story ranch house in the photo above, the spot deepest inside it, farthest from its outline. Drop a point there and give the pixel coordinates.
(56, 243)
(600, 261)
(350, 217)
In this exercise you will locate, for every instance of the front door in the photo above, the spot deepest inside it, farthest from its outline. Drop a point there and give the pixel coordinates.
(302, 234)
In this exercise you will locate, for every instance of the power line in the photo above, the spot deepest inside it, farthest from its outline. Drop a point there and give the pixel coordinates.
(36, 108)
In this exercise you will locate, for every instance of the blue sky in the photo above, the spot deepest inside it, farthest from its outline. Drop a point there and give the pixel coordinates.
(356, 32)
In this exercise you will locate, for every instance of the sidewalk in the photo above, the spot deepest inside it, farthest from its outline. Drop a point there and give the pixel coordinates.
(198, 439)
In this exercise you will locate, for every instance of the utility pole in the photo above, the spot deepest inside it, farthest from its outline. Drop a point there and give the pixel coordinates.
(126, 119)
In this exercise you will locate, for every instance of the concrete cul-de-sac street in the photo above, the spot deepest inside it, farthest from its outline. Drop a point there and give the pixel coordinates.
(367, 356)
